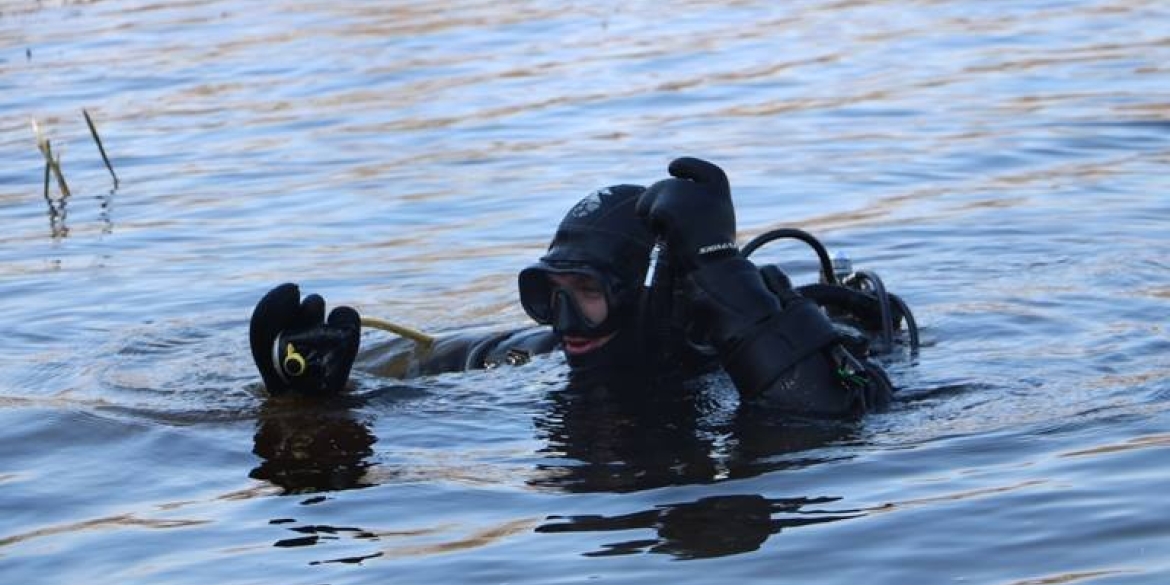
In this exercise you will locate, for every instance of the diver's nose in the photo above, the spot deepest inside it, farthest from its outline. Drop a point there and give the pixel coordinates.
(565, 316)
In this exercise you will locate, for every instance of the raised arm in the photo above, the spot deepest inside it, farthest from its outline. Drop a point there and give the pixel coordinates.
(778, 347)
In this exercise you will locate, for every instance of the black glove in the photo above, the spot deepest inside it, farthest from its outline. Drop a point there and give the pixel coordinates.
(776, 345)
(296, 348)
(692, 211)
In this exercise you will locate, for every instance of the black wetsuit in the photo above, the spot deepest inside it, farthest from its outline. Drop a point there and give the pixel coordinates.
(680, 299)
(401, 358)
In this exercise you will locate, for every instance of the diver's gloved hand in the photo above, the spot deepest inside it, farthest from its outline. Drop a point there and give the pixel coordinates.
(692, 211)
(776, 346)
(296, 348)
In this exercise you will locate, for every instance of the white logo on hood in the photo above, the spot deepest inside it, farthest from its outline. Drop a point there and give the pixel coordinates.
(589, 204)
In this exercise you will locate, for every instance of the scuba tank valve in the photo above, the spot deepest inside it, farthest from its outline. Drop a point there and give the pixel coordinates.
(842, 265)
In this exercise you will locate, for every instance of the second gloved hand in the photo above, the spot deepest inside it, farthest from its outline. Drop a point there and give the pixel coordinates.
(296, 348)
(692, 211)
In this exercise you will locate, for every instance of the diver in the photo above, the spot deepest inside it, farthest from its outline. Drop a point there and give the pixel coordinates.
(642, 286)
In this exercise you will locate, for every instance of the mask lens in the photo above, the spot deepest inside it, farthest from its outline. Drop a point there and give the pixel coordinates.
(587, 295)
(551, 296)
(536, 295)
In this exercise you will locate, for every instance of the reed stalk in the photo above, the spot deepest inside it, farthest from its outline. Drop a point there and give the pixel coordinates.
(101, 149)
(54, 163)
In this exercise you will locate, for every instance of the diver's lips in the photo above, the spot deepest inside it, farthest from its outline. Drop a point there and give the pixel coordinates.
(583, 345)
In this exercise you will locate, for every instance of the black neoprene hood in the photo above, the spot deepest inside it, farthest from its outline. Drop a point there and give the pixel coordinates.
(601, 236)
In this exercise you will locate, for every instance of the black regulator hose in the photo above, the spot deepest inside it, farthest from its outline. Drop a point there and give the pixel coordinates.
(867, 277)
(827, 275)
(858, 280)
(911, 324)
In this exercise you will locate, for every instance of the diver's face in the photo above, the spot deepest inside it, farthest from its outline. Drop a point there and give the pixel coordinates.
(589, 296)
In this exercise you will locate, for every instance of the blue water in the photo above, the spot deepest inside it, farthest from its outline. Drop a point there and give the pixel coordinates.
(1002, 165)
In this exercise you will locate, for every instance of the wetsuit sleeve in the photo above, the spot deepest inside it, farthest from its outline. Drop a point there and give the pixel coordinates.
(400, 358)
(780, 350)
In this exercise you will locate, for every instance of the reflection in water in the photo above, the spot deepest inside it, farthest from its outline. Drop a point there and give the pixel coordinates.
(57, 205)
(58, 212)
(57, 209)
(316, 533)
(312, 445)
(598, 439)
(708, 527)
(106, 203)
(603, 441)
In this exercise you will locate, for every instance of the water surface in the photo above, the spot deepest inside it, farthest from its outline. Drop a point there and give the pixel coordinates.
(1001, 165)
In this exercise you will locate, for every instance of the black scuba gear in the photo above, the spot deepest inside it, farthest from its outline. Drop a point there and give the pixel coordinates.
(296, 348)
(856, 316)
(570, 319)
(402, 358)
(777, 342)
(620, 357)
(857, 298)
(782, 353)
(548, 304)
(601, 237)
(778, 347)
